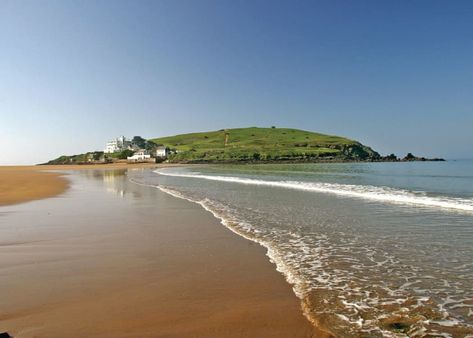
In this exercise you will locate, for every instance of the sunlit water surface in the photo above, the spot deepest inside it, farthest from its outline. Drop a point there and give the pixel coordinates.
(372, 249)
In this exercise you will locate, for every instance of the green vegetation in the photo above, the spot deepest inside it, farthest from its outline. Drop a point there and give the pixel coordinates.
(121, 155)
(263, 144)
(101, 157)
(248, 145)
(139, 141)
(90, 157)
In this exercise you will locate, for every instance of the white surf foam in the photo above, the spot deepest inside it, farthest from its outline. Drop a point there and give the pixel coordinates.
(243, 229)
(368, 192)
(301, 286)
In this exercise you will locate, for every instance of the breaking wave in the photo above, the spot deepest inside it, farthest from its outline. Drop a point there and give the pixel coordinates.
(344, 282)
(367, 192)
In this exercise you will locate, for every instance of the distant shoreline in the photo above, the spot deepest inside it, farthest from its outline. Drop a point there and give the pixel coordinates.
(199, 161)
(292, 161)
(20, 184)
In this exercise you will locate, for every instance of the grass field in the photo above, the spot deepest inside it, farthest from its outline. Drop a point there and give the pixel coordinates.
(246, 144)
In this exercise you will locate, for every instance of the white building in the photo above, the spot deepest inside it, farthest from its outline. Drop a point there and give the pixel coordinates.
(119, 144)
(162, 152)
(141, 155)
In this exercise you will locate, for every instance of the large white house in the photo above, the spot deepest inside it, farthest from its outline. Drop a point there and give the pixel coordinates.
(119, 144)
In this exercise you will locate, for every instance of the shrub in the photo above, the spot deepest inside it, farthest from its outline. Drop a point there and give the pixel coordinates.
(124, 154)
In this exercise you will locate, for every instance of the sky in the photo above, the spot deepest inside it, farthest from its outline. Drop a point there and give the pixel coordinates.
(394, 75)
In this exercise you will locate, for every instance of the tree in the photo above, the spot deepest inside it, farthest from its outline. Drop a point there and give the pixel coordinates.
(150, 145)
(125, 153)
(139, 141)
(97, 155)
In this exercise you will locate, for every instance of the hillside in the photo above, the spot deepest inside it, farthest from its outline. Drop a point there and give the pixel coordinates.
(264, 144)
(76, 159)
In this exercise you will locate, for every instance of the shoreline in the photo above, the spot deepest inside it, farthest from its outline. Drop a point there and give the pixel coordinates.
(249, 299)
(320, 330)
(309, 161)
(21, 184)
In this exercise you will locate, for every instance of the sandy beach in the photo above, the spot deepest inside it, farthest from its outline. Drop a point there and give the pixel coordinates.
(26, 183)
(21, 185)
(109, 258)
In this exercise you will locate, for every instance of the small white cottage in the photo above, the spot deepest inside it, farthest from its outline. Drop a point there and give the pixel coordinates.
(162, 152)
(141, 155)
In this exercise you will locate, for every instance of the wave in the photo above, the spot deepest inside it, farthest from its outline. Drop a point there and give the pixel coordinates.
(302, 261)
(367, 192)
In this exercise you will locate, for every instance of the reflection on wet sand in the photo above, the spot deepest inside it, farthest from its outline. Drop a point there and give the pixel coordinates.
(134, 263)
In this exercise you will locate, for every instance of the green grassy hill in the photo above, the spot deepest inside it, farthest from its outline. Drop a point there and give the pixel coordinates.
(264, 144)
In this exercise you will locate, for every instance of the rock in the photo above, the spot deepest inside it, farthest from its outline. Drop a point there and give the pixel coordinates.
(409, 157)
(5, 335)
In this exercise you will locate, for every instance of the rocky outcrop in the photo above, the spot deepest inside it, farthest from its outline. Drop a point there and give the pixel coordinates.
(408, 158)
(357, 151)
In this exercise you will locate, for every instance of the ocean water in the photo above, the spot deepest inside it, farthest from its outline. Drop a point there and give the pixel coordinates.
(371, 249)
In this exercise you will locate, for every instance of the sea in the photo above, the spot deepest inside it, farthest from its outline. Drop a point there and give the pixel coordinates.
(371, 249)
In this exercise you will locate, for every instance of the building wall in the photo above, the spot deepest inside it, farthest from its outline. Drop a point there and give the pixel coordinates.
(119, 144)
(161, 152)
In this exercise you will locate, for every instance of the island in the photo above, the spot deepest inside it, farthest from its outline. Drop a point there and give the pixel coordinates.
(238, 145)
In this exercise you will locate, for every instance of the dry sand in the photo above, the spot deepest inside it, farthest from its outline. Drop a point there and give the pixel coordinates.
(114, 259)
(26, 183)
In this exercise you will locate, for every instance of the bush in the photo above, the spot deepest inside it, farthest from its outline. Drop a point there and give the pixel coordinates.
(124, 154)
(139, 141)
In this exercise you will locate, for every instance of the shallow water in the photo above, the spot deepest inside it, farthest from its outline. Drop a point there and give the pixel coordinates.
(372, 249)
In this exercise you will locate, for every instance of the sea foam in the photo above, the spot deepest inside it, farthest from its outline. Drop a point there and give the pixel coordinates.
(367, 192)
(314, 265)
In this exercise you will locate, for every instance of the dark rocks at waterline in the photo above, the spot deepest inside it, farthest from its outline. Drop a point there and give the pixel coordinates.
(409, 158)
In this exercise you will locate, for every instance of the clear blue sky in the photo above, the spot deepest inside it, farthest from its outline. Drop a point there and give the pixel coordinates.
(396, 75)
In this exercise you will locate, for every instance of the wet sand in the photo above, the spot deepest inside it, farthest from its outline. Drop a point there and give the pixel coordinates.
(22, 185)
(109, 258)
(26, 183)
